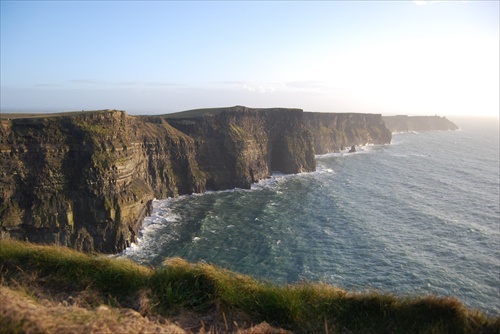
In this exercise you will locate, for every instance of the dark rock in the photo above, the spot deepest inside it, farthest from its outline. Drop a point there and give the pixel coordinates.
(353, 149)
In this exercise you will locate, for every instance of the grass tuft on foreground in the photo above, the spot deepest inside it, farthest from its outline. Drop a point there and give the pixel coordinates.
(54, 289)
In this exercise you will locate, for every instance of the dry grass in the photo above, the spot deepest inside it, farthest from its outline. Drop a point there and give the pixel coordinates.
(53, 289)
(22, 313)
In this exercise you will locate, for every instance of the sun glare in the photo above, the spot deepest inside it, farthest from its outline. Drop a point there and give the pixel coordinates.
(454, 76)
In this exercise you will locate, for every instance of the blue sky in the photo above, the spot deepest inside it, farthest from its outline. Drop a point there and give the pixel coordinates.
(393, 57)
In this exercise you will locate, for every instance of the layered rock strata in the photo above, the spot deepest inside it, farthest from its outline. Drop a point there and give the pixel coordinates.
(87, 180)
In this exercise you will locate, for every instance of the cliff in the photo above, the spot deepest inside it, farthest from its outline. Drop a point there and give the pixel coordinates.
(238, 146)
(404, 123)
(333, 132)
(87, 180)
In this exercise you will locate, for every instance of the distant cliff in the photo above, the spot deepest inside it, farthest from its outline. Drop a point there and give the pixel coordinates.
(87, 180)
(404, 123)
(333, 132)
(238, 146)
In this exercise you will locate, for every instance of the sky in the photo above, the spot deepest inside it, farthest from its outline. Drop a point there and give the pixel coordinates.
(388, 57)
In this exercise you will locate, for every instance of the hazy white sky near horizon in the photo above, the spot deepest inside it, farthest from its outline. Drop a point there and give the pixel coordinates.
(393, 57)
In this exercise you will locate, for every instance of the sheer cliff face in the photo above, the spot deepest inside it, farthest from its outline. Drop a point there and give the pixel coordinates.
(87, 180)
(404, 123)
(333, 132)
(241, 145)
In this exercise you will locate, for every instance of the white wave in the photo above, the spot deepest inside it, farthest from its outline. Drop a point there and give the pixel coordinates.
(328, 155)
(369, 148)
(324, 169)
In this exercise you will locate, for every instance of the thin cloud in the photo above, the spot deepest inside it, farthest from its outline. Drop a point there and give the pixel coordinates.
(234, 82)
(48, 85)
(272, 87)
(163, 84)
(249, 86)
(145, 84)
(262, 87)
(124, 83)
(307, 85)
(86, 81)
(425, 2)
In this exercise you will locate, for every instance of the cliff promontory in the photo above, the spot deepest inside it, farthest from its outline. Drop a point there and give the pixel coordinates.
(403, 123)
(87, 179)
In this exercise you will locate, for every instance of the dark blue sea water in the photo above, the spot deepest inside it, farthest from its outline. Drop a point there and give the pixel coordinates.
(419, 216)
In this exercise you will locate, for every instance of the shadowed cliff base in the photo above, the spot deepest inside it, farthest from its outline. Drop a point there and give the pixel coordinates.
(54, 289)
(87, 179)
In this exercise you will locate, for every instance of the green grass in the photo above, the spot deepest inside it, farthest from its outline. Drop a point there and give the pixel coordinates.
(197, 112)
(202, 288)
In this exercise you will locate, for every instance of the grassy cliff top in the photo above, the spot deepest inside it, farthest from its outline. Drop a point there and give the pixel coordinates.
(215, 111)
(197, 112)
(56, 114)
(46, 287)
(181, 114)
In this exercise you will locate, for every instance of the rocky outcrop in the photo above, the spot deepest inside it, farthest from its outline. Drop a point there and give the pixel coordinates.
(404, 123)
(87, 180)
(333, 132)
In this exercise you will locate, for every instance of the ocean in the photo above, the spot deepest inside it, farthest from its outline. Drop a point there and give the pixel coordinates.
(420, 216)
